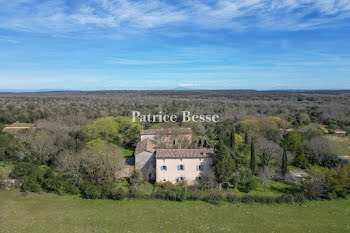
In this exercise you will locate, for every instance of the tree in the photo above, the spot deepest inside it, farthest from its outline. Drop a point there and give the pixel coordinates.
(246, 138)
(294, 141)
(265, 175)
(232, 140)
(117, 130)
(304, 118)
(321, 151)
(98, 162)
(265, 158)
(267, 150)
(301, 160)
(252, 158)
(284, 166)
(223, 163)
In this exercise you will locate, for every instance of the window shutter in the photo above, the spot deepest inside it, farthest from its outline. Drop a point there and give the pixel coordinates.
(161, 168)
(183, 167)
(166, 168)
(202, 168)
(178, 167)
(197, 167)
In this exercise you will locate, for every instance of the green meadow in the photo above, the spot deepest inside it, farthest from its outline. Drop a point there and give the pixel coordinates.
(53, 213)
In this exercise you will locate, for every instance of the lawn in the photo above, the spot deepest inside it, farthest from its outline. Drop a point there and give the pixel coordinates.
(342, 144)
(52, 213)
(126, 152)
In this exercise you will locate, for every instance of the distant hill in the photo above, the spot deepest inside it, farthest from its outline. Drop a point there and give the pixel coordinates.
(36, 91)
(182, 89)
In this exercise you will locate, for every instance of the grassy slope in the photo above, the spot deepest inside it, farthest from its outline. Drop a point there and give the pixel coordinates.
(126, 152)
(52, 213)
(342, 144)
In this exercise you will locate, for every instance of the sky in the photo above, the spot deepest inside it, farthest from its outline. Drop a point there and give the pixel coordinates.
(158, 44)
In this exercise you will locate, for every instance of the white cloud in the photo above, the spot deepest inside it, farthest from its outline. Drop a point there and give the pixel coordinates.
(54, 16)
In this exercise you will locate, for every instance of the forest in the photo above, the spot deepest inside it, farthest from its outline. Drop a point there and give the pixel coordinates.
(75, 142)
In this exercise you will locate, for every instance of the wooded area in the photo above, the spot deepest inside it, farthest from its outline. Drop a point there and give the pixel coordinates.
(75, 142)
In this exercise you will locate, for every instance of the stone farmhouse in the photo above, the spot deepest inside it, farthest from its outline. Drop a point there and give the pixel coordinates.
(169, 155)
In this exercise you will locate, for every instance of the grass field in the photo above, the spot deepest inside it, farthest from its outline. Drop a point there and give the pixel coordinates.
(342, 144)
(52, 213)
(126, 152)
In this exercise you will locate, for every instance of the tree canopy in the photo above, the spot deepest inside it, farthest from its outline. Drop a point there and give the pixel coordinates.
(117, 130)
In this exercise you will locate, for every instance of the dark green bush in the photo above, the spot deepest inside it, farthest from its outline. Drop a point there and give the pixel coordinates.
(106, 189)
(299, 197)
(265, 199)
(24, 169)
(214, 198)
(194, 194)
(288, 198)
(118, 194)
(247, 199)
(31, 183)
(90, 191)
(232, 198)
(135, 192)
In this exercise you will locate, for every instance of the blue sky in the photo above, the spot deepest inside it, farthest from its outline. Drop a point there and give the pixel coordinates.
(223, 44)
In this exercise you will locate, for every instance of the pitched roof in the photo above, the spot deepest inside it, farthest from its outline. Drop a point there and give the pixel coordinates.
(145, 145)
(166, 131)
(184, 153)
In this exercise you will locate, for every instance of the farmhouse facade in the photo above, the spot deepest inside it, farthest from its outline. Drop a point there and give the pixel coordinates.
(177, 165)
(161, 155)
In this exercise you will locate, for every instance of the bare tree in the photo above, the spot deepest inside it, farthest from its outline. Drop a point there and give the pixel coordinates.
(265, 175)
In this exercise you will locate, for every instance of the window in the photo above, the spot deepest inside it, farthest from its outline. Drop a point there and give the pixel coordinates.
(164, 179)
(200, 167)
(179, 179)
(198, 178)
(181, 167)
(163, 168)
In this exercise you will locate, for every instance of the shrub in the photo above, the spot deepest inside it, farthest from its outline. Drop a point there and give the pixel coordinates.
(70, 188)
(90, 191)
(181, 193)
(265, 199)
(314, 186)
(247, 199)
(232, 198)
(23, 169)
(106, 189)
(135, 192)
(135, 179)
(288, 198)
(194, 194)
(118, 194)
(31, 184)
(299, 197)
(251, 184)
(214, 198)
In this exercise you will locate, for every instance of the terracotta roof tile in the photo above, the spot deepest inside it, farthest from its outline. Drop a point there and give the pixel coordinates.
(184, 153)
(166, 131)
(145, 145)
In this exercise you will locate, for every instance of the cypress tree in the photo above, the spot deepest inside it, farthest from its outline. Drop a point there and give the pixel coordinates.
(232, 140)
(223, 163)
(284, 162)
(246, 140)
(252, 158)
